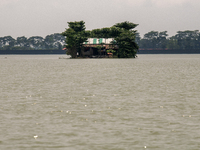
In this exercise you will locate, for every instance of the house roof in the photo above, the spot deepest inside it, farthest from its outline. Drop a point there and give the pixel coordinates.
(99, 41)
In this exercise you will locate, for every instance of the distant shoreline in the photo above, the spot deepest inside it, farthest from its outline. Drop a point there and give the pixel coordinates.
(170, 51)
(47, 52)
(31, 52)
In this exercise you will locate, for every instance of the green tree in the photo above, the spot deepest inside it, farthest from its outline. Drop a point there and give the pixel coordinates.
(59, 41)
(22, 42)
(36, 42)
(127, 46)
(1, 43)
(75, 37)
(105, 33)
(172, 43)
(96, 33)
(162, 40)
(54, 41)
(151, 39)
(115, 31)
(125, 39)
(48, 42)
(126, 25)
(187, 39)
(137, 38)
(8, 42)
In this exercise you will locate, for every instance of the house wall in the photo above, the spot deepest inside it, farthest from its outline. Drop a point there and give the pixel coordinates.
(107, 46)
(99, 40)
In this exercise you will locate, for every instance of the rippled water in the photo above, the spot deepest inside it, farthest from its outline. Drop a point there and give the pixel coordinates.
(151, 102)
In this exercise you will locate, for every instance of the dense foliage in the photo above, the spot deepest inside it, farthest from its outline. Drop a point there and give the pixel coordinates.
(151, 40)
(123, 34)
(126, 40)
(53, 41)
(160, 40)
(75, 36)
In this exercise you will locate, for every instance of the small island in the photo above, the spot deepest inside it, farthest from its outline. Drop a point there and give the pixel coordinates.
(117, 41)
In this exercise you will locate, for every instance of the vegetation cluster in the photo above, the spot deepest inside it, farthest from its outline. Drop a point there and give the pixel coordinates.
(50, 42)
(123, 34)
(160, 40)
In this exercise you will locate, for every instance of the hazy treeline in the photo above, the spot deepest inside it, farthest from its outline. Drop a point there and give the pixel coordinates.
(160, 40)
(54, 41)
(151, 40)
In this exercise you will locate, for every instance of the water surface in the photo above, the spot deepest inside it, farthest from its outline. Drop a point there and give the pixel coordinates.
(149, 102)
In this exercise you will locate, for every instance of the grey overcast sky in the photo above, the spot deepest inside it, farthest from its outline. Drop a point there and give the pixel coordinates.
(44, 17)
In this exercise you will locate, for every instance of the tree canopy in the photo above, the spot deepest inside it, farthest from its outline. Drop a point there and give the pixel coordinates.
(123, 34)
(160, 40)
(50, 42)
(126, 25)
(152, 40)
(75, 37)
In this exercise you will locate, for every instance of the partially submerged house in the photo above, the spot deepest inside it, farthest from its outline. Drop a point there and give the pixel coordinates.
(97, 47)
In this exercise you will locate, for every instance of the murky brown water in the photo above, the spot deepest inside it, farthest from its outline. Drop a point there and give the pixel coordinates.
(152, 102)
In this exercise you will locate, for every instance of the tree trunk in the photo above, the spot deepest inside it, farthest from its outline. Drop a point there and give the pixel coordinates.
(74, 52)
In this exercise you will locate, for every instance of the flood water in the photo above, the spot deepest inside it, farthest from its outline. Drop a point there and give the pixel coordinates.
(151, 102)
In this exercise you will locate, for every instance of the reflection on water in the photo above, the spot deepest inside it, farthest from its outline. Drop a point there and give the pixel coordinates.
(151, 102)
